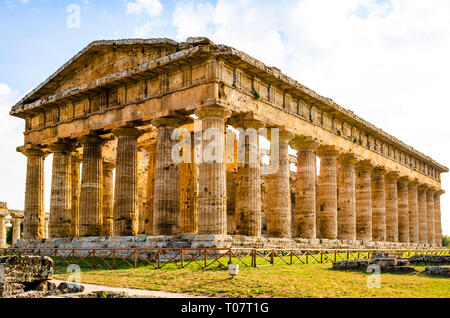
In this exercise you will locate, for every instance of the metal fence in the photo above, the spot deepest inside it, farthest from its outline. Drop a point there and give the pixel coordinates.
(200, 258)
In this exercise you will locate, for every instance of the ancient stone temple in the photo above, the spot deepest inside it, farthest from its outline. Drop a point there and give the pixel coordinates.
(109, 117)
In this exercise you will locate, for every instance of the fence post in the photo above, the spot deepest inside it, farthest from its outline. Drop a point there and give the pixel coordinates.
(114, 258)
(159, 258)
(93, 259)
(181, 254)
(135, 259)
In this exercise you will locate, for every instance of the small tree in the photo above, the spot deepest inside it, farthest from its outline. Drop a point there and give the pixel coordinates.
(446, 240)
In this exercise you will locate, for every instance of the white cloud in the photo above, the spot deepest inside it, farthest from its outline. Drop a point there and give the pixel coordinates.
(13, 175)
(385, 60)
(151, 7)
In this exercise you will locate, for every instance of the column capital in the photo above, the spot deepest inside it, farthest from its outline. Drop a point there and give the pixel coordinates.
(328, 152)
(440, 192)
(348, 158)
(302, 142)
(213, 111)
(32, 151)
(424, 187)
(379, 171)
(127, 131)
(169, 122)
(91, 139)
(394, 175)
(246, 120)
(64, 147)
(365, 165)
(108, 165)
(413, 183)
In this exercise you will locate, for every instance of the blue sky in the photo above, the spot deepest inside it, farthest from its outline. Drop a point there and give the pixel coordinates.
(386, 60)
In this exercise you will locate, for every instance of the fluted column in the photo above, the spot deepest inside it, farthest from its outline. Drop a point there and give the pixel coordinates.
(305, 194)
(61, 191)
(327, 198)
(33, 223)
(125, 191)
(391, 207)
(108, 199)
(422, 201)
(413, 211)
(430, 216)
(91, 199)
(2, 231)
(378, 205)
(279, 193)
(16, 221)
(212, 205)
(231, 169)
(346, 216)
(403, 214)
(76, 188)
(188, 193)
(46, 222)
(437, 218)
(248, 182)
(166, 211)
(149, 206)
(364, 200)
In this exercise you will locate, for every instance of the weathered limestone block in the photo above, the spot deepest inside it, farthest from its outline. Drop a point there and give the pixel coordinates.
(76, 189)
(61, 191)
(91, 199)
(248, 182)
(360, 264)
(363, 200)
(33, 223)
(279, 194)
(231, 170)
(16, 228)
(413, 211)
(391, 207)
(212, 205)
(378, 205)
(166, 200)
(434, 259)
(430, 216)
(327, 212)
(305, 207)
(108, 198)
(346, 216)
(403, 216)
(443, 271)
(142, 168)
(437, 218)
(422, 203)
(25, 269)
(125, 191)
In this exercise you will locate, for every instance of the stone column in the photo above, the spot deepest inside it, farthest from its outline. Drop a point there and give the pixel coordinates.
(231, 169)
(108, 198)
(125, 191)
(391, 207)
(413, 211)
(91, 199)
(430, 216)
(403, 214)
(346, 216)
(188, 194)
(378, 205)
(327, 198)
(248, 182)
(33, 223)
(16, 228)
(212, 205)
(364, 200)
(166, 211)
(279, 192)
(149, 206)
(142, 173)
(2, 231)
(61, 191)
(422, 201)
(305, 200)
(437, 218)
(76, 188)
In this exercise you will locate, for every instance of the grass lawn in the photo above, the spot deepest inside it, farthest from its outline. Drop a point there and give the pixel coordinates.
(314, 280)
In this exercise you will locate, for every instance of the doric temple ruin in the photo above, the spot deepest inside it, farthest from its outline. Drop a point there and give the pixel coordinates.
(109, 114)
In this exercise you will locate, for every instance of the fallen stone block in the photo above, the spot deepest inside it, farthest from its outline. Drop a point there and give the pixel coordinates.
(351, 264)
(25, 269)
(435, 259)
(443, 271)
(70, 288)
(385, 262)
(402, 270)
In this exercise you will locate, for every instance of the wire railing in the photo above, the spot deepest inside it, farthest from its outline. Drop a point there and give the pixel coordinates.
(201, 258)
